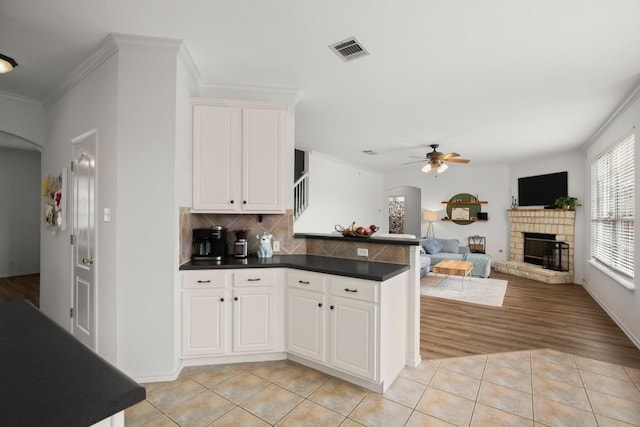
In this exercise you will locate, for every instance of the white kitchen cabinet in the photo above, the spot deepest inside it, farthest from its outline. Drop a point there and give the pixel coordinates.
(238, 157)
(348, 325)
(232, 312)
(306, 323)
(204, 320)
(353, 336)
(253, 318)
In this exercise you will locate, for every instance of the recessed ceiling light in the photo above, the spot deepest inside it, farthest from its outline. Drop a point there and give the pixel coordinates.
(7, 64)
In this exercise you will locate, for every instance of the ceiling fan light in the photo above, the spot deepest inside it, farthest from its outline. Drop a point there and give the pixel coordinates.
(426, 168)
(443, 167)
(7, 64)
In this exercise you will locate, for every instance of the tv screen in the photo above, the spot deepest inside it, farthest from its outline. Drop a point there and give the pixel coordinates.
(542, 190)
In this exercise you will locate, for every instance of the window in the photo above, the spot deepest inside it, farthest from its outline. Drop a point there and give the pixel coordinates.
(613, 207)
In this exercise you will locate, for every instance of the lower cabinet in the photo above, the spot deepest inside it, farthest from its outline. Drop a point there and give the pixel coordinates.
(347, 327)
(335, 321)
(231, 312)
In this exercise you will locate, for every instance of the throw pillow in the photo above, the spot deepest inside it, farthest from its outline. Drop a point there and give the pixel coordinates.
(432, 246)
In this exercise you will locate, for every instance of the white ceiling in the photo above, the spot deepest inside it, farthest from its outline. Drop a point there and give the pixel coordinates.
(493, 80)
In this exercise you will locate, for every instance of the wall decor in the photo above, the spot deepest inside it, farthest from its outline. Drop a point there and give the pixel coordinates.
(54, 193)
(465, 209)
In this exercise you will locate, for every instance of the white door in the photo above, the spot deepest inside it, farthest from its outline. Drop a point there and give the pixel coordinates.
(84, 230)
(353, 336)
(253, 318)
(203, 321)
(305, 324)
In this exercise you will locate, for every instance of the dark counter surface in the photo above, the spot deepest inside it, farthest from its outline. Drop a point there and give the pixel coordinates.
(49, 378)
(368, 270)
(387, 240)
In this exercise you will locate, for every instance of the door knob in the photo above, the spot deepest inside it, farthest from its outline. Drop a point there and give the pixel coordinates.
(87, 261)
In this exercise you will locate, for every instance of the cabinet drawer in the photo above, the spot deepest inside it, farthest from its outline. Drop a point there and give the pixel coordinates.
(204, 279)
(255, 277)
(306, 280)
(363, 290)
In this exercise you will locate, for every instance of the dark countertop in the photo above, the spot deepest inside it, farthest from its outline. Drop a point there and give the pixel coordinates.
(371, 239)
(49, 378)
(368, 270)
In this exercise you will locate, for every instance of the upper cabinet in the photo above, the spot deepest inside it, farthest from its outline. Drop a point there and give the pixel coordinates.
(238, 157)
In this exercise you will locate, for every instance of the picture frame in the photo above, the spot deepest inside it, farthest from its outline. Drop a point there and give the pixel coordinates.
(460, 214)
(54, 193)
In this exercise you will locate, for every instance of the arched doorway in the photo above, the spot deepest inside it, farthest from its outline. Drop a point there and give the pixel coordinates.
(404, 210)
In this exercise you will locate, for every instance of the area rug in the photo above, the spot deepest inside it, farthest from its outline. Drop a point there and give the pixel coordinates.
(476, 290)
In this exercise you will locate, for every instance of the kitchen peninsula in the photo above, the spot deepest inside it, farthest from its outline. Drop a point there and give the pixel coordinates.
(50, 378)
(345, 317)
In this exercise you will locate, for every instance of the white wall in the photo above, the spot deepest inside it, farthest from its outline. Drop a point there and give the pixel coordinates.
(20, 214)
(340, 193)
(23, 118)
(489, 182)
(90, 104)
(573, 163)
(622, 304)
(146, 249)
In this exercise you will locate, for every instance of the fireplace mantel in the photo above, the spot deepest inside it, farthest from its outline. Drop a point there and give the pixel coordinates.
(549, 221)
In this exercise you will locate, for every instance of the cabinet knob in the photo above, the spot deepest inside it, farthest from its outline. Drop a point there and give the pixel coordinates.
(235, 298)
(231, 202)
(331, 307)
(320, 304)
(221, 299)
(244, 202)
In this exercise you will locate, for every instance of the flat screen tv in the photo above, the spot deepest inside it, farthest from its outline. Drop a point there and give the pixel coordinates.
(542, 190)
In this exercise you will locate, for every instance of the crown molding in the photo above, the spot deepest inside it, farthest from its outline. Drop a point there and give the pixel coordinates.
(280, 95)
(14, 97)
(622, 107)
(184, 56)
(104, 51)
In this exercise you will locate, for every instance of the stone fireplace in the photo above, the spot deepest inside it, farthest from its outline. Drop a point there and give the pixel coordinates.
(552, 244)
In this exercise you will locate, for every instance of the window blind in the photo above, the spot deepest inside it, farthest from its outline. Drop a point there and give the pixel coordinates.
(613, 207)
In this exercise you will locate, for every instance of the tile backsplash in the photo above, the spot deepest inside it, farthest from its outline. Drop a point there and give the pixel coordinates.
(281, 227)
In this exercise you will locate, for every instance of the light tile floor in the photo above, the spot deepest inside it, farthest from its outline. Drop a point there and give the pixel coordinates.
(525, 388)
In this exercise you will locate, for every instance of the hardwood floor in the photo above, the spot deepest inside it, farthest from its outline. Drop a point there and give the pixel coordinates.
(21, 287)
(533, 315)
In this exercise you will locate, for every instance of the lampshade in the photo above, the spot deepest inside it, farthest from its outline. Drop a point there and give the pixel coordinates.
(429, 216)
(6, 64)
(426, 168)
(443, 167)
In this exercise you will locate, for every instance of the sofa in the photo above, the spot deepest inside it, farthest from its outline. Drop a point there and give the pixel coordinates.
(435, 250)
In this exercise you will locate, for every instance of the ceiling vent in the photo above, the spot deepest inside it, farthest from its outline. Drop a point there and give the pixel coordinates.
(349, 49)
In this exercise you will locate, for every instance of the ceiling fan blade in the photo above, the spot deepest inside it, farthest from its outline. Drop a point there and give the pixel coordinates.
(417, 157)
(446, 156)
(457, 160)
(417, 161)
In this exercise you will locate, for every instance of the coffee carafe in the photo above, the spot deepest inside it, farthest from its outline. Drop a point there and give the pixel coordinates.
(241, 245)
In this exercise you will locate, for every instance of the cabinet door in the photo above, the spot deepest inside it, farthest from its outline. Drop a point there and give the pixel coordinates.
(263, 134)
(203, 322)
(353, 336)
(253, 318)
(216, 158)
(305, 324)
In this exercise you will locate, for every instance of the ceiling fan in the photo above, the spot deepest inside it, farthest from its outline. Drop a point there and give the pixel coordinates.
(437, 160)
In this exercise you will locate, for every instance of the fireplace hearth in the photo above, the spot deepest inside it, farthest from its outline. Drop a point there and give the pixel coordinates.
(552, 261)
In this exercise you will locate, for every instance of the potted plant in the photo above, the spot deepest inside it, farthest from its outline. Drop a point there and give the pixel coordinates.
(567, 203)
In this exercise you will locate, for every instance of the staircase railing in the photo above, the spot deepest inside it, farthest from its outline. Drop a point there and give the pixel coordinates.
(300, 195)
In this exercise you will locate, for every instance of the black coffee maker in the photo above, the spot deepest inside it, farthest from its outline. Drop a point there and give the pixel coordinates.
(209, 244)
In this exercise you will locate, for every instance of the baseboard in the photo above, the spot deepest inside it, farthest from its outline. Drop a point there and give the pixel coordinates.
(158, 378)
(617, 321)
